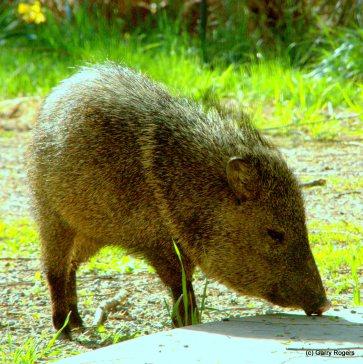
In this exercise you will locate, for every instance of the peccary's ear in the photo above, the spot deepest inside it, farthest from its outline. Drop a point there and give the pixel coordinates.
(242, 178)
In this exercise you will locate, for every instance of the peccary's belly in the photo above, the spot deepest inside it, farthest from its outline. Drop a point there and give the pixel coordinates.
(108, 202)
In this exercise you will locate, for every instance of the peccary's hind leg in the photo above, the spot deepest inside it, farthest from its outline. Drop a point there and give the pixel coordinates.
(83, 249)
(57, 242)
(75, 319)
(168, 268)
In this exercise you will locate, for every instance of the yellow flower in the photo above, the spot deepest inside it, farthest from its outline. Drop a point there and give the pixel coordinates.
(23, 8)
(31, 13)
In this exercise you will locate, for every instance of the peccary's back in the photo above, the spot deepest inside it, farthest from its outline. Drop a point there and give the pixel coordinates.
(87, 161)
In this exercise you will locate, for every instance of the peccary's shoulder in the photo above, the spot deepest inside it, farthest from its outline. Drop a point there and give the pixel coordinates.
(109, 87)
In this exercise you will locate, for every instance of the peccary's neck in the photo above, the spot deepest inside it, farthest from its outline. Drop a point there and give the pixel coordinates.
(186, 166)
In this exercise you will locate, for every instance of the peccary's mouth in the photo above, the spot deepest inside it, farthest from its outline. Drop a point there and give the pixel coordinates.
(324, 305)
(318, 308)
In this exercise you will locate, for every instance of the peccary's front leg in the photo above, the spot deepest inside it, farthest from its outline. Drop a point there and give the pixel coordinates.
(75, 320)
(58, 292)
(57, 240)
(185, 317)
(169, 269)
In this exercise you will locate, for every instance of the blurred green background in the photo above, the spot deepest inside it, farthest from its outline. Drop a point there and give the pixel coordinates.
(290, 64)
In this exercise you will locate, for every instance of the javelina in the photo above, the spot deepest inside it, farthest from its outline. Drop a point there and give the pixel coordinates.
(116, 160)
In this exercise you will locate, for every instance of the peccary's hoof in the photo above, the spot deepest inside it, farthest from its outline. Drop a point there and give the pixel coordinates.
(59, 324)
(65, 335)
(75, 321)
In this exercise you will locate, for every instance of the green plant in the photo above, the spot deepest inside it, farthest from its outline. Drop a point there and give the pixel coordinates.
(342, 57)
(185, 296)
(18, 237)
(355, 281)
(341, 242)
(9, 24)
(196, 313)
(281, 98)
(110, 337)
(32, 350)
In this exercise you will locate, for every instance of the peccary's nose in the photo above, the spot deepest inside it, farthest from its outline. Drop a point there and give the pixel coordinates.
(324, 306)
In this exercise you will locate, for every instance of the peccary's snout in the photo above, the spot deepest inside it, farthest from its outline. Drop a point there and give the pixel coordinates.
(319, 308)
(312, 293)
(301, 288)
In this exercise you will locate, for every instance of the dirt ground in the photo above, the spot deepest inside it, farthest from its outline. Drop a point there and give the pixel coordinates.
(25, 307)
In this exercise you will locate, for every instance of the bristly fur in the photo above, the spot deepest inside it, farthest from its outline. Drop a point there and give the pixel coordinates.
(117, 160)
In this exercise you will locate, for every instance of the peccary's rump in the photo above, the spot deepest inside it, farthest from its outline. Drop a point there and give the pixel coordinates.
(116, 160)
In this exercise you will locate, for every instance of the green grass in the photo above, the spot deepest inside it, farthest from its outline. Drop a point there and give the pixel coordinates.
(31, 350)
(6, 134)
(343, 58)
(28, 352)
(338, 251)
(18, 239)
(42, 349)
(341, 184)
(109, 337)
(113, 258)
(278, 97)
(197, 312)
(316, 99)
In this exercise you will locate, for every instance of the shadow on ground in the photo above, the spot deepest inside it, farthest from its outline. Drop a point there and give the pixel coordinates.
(343, 327)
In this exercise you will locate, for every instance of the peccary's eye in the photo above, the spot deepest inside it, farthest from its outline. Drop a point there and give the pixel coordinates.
(278, 236)
(240, 200)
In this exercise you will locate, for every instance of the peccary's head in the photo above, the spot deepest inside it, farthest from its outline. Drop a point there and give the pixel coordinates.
(259, 243)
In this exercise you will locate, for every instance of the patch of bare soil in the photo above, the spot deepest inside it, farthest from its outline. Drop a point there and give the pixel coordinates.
(25, 306)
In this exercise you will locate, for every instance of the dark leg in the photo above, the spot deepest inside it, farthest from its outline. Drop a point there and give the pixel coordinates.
(168, 267)
(75, 318)
(60, 307)
(83, 249)
(56, 242)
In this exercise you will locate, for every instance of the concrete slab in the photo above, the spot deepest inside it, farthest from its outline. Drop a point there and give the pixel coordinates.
(277, 338)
